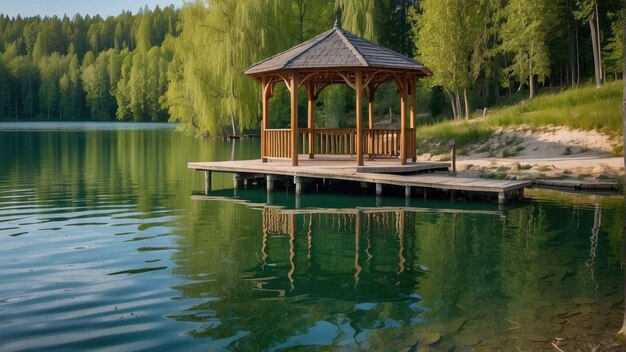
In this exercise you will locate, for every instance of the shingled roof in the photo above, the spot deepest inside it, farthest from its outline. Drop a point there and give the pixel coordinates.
(337, 49)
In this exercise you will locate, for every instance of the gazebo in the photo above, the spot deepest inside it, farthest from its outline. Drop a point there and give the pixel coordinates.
(337, 56)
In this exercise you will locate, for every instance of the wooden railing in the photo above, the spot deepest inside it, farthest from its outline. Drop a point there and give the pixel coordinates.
(277, 143)
(337, 141)
(334, 141)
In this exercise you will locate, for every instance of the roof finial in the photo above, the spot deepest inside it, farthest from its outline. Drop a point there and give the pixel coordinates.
(337, 21)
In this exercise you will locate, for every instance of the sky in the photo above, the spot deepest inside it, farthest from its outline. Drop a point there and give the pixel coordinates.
(104, 8)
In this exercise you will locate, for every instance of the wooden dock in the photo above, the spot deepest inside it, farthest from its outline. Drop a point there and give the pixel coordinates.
(379, 172)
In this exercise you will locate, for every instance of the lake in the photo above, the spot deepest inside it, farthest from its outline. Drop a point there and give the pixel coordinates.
(107, 243)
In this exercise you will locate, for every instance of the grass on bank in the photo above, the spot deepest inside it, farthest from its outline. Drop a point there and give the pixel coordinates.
(586, 108)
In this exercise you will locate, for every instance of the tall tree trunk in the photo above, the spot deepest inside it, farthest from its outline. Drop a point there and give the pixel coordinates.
(459, 110)
(452, 103)
(467, 109)
(531, 86)
(595, 43)
(599, 44)
(622, 331)
(577, 60)
(571, 32)
(232, 123)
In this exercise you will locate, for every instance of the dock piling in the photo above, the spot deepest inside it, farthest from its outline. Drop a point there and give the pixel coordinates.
(207, 182)
(324, 173)
(237, 180)
(298, 181)
(501, 197)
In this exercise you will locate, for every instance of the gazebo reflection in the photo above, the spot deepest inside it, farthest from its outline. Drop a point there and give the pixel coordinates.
(319, 235)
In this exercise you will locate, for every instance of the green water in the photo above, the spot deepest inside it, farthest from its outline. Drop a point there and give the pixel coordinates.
(106, 244)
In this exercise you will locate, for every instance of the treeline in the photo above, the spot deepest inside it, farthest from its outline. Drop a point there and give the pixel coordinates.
(86, 67)
(478, 47)
(186, 64)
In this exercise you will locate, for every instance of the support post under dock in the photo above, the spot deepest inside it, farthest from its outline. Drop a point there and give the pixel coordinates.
(501, 198)
(377, 172)
(207, 182)
(298, 181)
(379, 189)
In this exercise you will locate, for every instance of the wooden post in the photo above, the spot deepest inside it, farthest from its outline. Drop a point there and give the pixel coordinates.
(357, 249)
(298, 182)
(207, 182)
(265, 117)
(311, 119)
(412, 84)
(370, 112)
(359, 118)
(501, 198)
(270, 182)
(294, 119)
(452, 145)
(403, 89)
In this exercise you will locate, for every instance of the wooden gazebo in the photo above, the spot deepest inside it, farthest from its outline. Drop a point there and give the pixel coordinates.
(338, 56)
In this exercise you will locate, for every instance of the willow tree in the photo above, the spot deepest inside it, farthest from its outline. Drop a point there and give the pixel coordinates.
(525, 36)
(219, 39)
(359, 17)
(446, 32)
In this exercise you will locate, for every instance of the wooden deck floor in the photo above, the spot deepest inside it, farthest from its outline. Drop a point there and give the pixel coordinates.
(380, 172)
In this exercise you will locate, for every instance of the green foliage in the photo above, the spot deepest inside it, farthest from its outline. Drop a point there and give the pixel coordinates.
(212, 94)
(439, 134)
(186, 64)
(586, 108)
(583, 108)
(333, 108)
(613, 56)
(437, 100)
(524, 35)
(447, 37)
(62, 68)
(359, 17)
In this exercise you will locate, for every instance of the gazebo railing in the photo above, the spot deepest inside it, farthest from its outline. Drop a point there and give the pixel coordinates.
(277, 143)
(338, 141)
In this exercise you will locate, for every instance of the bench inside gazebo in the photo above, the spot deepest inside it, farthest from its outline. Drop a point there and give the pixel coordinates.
(338, 57)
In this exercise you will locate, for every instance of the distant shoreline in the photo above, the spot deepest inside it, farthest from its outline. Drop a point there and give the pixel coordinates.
(82, 125)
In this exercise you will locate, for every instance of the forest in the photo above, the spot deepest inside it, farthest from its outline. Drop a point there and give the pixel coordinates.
(185, 64)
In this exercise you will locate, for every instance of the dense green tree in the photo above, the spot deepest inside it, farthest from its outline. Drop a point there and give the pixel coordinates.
(51, 68)
(5, 89)
(360, 18)
(186, 64)
(70, 89)
(587, 10)
(446, 35)
(613, 57)
(525, 35)
(96, 80)
(222, 34)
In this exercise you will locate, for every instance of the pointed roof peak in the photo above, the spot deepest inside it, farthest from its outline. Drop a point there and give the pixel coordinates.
(337, 24)
(337, 49)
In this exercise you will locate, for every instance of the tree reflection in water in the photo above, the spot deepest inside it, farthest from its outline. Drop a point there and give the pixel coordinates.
(371, 277)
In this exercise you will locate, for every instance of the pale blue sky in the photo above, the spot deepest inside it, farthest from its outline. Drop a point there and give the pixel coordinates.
(27, 8)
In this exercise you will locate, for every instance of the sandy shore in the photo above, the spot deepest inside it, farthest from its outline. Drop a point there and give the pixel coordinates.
(550, 153)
